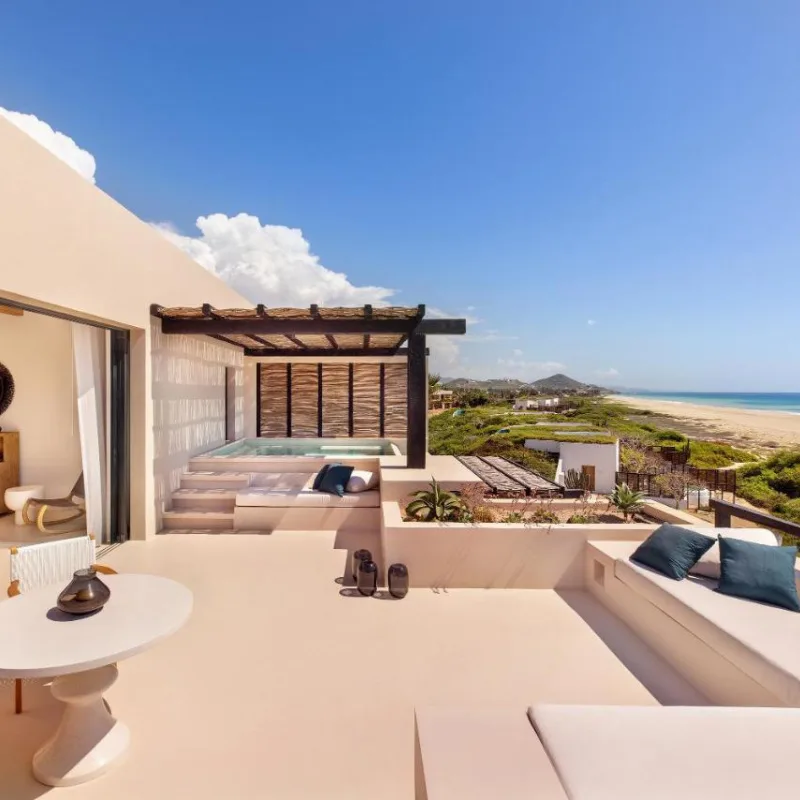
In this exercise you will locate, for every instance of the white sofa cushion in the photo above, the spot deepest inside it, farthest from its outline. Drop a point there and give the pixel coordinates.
(761, 640)
(361, 480)
(708, 565)
(667, 753)
(306, 498)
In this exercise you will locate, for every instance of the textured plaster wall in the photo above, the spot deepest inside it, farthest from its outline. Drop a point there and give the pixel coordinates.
(188, 384)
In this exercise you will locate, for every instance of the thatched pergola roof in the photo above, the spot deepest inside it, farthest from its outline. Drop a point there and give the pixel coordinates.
(314, 331)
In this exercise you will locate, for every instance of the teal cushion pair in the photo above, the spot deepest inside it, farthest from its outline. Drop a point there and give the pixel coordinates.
(332, 478)
(749, 570)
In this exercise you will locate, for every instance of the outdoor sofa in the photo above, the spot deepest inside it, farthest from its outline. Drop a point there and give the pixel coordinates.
(564, 752)
(736, 652)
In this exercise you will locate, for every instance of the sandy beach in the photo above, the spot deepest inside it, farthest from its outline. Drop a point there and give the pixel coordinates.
(761, 430)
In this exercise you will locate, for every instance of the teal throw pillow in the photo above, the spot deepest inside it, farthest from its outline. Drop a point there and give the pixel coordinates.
(321, 474)
(672, 550)
(758, 572)
(335, 479)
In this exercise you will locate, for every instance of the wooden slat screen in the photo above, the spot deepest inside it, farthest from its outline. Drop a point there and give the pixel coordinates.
(335, 401)
(396, 410)
(337, 410)
(273, 400)
(304, 400)
(366, 400)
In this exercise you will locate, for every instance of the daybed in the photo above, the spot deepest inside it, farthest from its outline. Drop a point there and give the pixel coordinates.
(605, 753)
(735, 651)
(288, 501)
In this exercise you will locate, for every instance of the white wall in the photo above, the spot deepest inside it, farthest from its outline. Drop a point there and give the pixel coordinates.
(604, 457)
(68, 246)
(38, 352)
(189, 403)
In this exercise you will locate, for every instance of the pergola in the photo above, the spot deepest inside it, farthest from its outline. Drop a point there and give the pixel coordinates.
(318, 332)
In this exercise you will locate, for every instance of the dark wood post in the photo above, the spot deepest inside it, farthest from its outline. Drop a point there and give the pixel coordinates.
(417, 413)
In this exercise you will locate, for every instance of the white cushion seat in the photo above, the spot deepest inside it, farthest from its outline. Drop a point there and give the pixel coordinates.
(306, 498)
(761, 640)
(664, 753)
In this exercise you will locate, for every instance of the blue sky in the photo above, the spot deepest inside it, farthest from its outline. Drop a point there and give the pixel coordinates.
(533, 165)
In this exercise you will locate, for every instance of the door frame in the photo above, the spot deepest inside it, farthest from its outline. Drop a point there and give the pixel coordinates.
(118, 390)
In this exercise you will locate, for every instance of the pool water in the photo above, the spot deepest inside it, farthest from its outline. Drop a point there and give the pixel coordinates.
(318, 448)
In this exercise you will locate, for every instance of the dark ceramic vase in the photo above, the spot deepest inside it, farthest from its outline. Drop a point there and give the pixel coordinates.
(84, 594)
(398, 581)
(367, 582)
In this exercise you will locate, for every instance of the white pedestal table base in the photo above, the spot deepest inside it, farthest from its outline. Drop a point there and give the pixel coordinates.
(89, 740)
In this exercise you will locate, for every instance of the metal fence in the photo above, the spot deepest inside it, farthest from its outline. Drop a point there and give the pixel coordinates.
(718, 481)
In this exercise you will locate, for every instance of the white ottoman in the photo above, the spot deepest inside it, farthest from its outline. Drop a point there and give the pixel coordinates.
(17, 496)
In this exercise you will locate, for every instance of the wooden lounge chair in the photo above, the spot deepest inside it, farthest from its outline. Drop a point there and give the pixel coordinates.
(44, 563)
(36, 509)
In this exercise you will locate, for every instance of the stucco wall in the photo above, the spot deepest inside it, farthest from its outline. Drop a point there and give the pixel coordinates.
(68, 246)
(38, 352)
(604, 457)
(189, 404)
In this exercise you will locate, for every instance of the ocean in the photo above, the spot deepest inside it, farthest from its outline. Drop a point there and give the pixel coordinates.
(758, 401)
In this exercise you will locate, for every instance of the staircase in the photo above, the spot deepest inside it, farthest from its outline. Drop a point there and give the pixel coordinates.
(205, 501)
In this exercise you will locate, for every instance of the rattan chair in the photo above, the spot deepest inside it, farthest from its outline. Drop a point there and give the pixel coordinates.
(37, 508)
(46, 563)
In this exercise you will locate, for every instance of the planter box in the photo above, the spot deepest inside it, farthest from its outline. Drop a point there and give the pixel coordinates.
(495, 555)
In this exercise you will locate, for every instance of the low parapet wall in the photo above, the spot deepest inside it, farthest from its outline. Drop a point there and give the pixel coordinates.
(495, 555)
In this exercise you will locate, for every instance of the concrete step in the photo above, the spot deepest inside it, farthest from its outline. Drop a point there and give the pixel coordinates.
(188, 519)
(215, 480)
(204, 500)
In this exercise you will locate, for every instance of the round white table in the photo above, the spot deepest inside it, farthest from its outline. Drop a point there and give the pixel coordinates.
(39, 641)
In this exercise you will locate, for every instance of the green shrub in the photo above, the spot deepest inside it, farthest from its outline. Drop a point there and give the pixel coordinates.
(760, 493)
(582, 519)
(544, 516)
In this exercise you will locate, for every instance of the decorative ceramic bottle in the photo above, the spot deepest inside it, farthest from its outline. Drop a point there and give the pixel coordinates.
(84, 594)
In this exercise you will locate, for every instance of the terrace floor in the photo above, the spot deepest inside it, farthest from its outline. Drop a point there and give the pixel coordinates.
(283, 686)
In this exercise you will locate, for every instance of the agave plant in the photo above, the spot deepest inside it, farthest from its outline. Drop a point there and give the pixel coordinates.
(435, 504)
(576, 480)
(626, 500)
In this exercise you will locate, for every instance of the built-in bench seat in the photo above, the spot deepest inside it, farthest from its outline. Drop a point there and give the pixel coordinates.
(288, 501)
(605, 753)
(686, 620)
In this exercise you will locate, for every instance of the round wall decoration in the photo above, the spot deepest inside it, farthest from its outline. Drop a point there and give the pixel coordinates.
(6, 388)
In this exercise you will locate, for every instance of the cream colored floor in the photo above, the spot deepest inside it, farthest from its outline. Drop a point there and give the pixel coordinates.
(282, 686)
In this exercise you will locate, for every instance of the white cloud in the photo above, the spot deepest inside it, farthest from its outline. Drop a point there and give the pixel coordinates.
(590, 322)
(269, 264)
(59, 144)
(607, 373)
(489, 336)
(517, 352)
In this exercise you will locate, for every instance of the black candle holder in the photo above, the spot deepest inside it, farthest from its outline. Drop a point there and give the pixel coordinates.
(398, 581)
(358, 557)
(367, 581)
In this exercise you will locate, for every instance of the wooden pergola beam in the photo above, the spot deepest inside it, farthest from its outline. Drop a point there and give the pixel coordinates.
(198, 326)
(417, 407)
(323, 352)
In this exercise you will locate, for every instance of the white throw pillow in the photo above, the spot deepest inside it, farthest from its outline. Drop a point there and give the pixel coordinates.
(361, 481)
(708, 566)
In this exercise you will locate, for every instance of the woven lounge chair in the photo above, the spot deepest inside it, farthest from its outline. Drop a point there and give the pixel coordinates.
(37, 509)
(47, 563)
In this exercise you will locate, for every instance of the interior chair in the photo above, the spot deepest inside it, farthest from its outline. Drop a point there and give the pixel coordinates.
(37, 509)
(46, 563)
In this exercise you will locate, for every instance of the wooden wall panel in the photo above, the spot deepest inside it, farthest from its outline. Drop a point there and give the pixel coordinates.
(396, 408)
(304, 400)
(273, 400)
(335, 401)
(366, 400)
(336, 409)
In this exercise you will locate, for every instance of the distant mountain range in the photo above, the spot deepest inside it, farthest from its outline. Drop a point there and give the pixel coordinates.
(555, 383)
